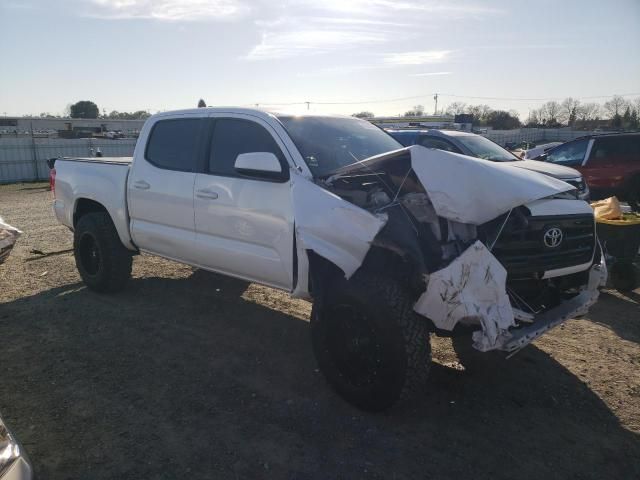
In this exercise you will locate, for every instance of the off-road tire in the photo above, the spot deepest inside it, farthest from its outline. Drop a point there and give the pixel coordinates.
(399, 338)
(102, 261)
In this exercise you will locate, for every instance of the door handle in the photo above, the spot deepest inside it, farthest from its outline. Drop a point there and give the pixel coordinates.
(141, 185)
(206, 193)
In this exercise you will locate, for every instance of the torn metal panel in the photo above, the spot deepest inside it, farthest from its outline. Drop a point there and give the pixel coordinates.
(8, 237)
(474, 191)
(332, 227)
(471, 289)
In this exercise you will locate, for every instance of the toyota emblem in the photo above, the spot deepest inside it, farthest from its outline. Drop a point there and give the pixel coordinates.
(553, 237)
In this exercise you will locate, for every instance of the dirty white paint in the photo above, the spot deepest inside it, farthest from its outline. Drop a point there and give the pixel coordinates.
(474, 191)
(332, 227)
(471, 289)
(8, 234)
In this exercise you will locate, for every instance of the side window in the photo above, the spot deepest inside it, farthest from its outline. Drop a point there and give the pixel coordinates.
(440, 144)
(173, 144)
(602, 151)
(231, 137)
(571, 153)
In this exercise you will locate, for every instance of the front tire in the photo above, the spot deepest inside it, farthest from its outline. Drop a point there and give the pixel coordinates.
(102, 261)
(369, 344)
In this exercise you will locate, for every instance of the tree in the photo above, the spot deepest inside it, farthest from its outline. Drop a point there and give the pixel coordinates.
(201, 103)
(417, 111)
(550, 112)
(569, 110)
(479, 112)
(615, 106)
(138, 115)
(588, 111)
(84, 109)
(456, 108)
(501, 120)
(364, 114)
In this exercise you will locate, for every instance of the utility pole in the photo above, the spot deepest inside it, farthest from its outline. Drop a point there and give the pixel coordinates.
(435, 110)
(308, 103)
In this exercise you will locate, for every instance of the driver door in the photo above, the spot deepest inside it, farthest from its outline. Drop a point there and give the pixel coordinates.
(244, 223)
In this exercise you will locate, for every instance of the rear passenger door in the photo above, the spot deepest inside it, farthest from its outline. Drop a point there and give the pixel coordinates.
(244, 224)
(160, 187)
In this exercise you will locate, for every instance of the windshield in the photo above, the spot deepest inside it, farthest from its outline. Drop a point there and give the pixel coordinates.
(328, 143)
(482, 147)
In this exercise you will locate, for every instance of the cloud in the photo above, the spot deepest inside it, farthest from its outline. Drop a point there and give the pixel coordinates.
(169, 10)
(429, 74)
(417, 58)
(289, 43)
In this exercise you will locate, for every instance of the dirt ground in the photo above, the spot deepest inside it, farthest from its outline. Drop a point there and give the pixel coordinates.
(187, 374)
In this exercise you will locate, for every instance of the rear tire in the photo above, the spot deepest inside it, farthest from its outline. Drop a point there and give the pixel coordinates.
(102, 261)
(369, 344)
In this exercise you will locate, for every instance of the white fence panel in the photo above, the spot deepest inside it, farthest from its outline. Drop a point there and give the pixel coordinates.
(24, 159)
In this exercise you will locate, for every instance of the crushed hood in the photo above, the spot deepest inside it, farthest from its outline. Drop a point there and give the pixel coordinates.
(557, 171)
(463, 189)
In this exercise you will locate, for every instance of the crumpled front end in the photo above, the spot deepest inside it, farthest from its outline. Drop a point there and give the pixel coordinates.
(472, 234)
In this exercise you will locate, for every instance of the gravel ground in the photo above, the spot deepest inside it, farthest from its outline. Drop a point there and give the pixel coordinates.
(187, 374)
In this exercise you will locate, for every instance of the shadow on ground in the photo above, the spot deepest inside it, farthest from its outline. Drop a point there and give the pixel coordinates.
(186, 379)
(620, 313)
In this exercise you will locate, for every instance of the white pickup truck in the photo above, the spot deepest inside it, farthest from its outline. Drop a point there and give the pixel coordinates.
(391, 244)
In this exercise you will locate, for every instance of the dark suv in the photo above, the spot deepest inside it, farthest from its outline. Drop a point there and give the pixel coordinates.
(480, 147)
(610, 163)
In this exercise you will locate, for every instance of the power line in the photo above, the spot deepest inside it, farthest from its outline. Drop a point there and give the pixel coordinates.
(452, 95)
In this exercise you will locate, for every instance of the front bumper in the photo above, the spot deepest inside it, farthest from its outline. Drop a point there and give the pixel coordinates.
(518, 338)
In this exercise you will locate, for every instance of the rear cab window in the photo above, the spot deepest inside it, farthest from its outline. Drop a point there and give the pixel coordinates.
(174, 143)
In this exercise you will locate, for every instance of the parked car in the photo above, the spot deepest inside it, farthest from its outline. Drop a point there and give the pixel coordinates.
(538, 150)
(14, 464)
(389, 243)
(610, 163)
(481, 147)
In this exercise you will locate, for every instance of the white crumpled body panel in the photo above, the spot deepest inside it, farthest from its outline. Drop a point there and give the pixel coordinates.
(471, 190)
(332, 227)
(472, 288)
(8, 237)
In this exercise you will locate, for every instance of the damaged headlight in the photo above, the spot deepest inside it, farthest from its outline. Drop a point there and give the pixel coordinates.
(10, 452)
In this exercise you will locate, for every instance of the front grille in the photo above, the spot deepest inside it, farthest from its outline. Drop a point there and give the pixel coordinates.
(522, 250)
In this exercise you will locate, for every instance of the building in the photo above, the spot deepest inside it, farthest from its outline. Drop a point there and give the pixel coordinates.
(68, 127)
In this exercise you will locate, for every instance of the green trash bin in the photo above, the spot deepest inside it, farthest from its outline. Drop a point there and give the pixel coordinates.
(620, 240)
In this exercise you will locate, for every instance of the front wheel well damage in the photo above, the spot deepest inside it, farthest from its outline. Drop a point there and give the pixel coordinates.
(378, 261)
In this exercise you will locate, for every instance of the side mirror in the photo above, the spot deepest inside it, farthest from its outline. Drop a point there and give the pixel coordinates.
(259, 164)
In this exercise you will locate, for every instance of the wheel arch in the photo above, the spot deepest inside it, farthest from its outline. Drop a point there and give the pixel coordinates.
(84, 205)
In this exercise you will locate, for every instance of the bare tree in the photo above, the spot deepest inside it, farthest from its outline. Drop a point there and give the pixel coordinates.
(456, 108)
(615, 107)
(479, 112)
(417, 111)
(569, 112)
(588, 111)
(364, 114)
(550, 112)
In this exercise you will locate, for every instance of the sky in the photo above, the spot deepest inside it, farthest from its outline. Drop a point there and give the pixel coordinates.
(343, 56)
